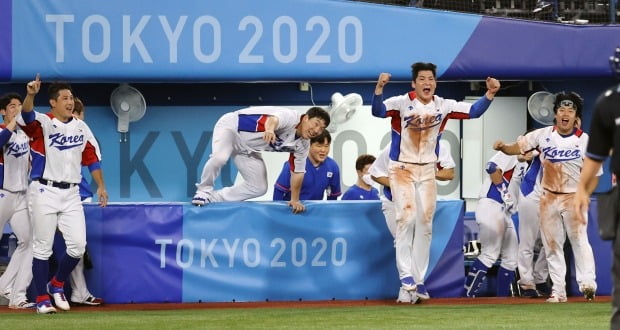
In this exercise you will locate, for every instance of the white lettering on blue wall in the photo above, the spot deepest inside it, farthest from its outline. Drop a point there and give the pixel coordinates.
(250, 253)
(138, 36)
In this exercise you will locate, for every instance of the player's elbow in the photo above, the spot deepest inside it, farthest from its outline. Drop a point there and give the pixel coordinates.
(491, 168)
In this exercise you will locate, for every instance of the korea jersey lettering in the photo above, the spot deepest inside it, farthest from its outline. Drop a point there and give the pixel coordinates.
(14, 160)
(59, 150)
(417, 127)
(251, 127)
(561, 157)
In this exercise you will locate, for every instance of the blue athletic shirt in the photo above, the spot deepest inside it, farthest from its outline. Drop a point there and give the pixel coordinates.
(358, 193)
(324, 178)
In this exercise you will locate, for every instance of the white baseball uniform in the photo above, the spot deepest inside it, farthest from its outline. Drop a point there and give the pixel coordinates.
(239, 135)
(497, 233)
(562, 160)
(416, 129)
(58, 152)
(14, 171)
(530, 272)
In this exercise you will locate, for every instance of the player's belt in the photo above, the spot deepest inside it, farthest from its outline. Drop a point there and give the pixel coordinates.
(55, 184)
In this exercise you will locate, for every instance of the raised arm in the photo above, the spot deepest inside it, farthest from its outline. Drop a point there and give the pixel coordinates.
(32, 88)
(483, 103)
(377, 107)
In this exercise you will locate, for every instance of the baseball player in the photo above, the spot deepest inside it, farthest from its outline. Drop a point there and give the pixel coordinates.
(80, 295)
(418, 119)
(362, 189)
(497, 233)
(562, 150)
(14, 170)
(322, 176)
(60, 145)
(379, 172)
(532, 274)
(243, 134)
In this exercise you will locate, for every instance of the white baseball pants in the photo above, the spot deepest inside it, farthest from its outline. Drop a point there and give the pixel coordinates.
(557, 220)
(226, 144)
(18, 274)
(414, 193)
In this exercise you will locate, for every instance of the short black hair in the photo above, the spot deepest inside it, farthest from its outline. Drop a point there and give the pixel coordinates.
(78, 106)
(363, 160)
(322, 137)
(320, 113)
(6, 99)
(54, 90)
(571, 96)
(422, 66)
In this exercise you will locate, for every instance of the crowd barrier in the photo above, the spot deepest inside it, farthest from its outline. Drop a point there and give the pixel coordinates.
(258, 251)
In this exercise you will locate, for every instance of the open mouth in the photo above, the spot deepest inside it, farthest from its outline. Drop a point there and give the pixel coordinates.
(564, 121)
(426, 90)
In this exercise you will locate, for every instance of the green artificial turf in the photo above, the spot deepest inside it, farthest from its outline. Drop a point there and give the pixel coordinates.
(528, 316)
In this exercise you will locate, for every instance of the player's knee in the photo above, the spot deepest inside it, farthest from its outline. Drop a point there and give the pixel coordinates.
(257, 189)
(41, 255)
(76, 250)
(218, 161)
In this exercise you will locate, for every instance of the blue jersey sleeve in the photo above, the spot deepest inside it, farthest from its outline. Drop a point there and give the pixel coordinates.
(5, 136)
(479, 107)
(334, 183)
(378, 107)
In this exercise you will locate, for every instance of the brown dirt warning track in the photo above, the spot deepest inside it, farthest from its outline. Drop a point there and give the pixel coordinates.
(307, 304)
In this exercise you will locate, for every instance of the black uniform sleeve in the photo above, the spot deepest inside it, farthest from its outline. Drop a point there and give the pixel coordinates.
(602, 125)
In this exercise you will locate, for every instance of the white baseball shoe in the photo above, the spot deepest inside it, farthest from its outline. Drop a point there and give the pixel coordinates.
(406, 296)
(557, 298)
(25, 304)
(200, 198)
(89, 301)
(45, 307)
(58, 294)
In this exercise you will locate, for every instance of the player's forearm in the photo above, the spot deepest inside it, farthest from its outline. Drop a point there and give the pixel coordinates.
(271, 124)
(510, 149)
(588, 179)
(28, 103)
(479, 107)
(378, 107)
(445, 174)
(382, 180)
(98, 177)
(296, 182)
(496, 177)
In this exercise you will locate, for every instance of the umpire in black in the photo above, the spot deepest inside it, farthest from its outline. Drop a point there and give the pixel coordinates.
(604, 137)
